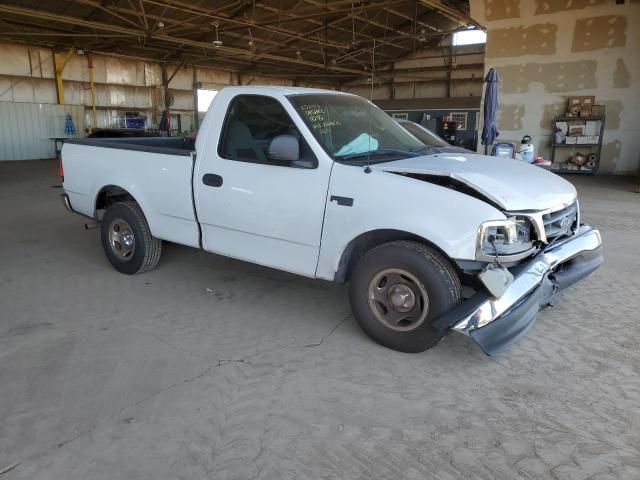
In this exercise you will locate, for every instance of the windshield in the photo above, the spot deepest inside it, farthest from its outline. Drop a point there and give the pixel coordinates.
(352, 129)
(423, 134)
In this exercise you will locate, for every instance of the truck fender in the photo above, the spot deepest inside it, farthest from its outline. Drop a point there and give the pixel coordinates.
(111, 193)
(364, 242)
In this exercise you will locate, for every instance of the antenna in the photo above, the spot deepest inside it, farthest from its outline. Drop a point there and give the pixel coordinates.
(373, 67)
(373, 71)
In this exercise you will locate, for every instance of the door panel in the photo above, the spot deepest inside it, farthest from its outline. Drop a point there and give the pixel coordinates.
(264, 213)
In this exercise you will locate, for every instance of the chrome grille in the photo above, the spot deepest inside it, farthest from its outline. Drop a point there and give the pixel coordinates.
(561, 222)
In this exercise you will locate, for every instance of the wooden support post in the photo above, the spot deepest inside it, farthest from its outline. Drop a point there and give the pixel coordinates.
(196, 86)
(392, 93)
(165, 95)
(93, 91)
(449, 71)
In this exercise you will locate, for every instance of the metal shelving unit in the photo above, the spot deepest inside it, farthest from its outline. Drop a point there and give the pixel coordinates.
(597, 146)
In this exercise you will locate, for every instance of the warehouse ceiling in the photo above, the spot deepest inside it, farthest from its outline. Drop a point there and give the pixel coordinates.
(323, 40)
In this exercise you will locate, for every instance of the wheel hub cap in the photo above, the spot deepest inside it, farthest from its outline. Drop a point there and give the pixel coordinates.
(401, 297)
(398, 299)
(121, 239)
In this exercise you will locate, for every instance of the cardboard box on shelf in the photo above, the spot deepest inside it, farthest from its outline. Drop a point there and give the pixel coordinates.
(576, 105)
(585, 111)
(578, 159)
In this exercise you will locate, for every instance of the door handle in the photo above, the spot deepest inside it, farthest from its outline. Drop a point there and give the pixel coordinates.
(212, 180)
(344, 201)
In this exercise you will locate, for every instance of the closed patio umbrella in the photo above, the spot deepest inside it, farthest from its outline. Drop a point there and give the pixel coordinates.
(69, 128)
(489, 130)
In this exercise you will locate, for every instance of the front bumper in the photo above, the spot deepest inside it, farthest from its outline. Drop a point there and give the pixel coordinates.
(497, 323)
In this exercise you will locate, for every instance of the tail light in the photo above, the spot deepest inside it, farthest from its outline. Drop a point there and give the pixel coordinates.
(60, 168)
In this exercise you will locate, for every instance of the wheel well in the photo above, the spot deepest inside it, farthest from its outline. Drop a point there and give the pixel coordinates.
(368, 240)
(112, 194)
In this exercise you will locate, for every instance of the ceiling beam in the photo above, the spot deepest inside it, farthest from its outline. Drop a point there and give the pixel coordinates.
(451, 13)
(174, 23)
(365, 20)
(64, 34)
(185, 7)
(320, 26)
(98, 6)
(411, 19)
(324, 9)
(312, 39)
(143, 14)
(55, 17)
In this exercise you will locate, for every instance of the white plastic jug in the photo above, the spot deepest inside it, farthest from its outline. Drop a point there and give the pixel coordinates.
(526, 149)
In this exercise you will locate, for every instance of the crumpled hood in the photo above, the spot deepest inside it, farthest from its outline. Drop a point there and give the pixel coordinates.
(512, 184)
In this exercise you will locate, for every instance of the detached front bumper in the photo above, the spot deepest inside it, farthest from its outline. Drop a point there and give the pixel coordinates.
(497, 323)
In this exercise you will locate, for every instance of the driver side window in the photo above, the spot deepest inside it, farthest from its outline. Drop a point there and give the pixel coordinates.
(251, 123)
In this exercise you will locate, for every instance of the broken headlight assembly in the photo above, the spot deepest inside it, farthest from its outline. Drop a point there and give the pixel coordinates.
(506, 240)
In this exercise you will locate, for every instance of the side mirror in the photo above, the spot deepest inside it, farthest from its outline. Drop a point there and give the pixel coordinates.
(284, 148)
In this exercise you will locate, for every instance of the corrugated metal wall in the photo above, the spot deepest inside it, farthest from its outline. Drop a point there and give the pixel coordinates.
(28, 95)
(27, 129)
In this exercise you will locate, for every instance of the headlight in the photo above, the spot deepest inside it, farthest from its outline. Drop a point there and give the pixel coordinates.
(510, 238)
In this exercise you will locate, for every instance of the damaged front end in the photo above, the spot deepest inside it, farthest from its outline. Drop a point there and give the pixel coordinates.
(536, 248)
(497, 322)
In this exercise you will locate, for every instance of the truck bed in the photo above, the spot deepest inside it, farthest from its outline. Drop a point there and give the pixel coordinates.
(156, 171)
(164, 145)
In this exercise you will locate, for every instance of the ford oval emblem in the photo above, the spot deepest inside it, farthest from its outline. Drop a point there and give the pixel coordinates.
(565, 222)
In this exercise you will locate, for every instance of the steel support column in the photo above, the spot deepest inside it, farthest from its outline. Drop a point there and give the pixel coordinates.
(59, 63)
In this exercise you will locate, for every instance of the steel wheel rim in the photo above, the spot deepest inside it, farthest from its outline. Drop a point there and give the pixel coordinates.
(122, 240)
(398, 299)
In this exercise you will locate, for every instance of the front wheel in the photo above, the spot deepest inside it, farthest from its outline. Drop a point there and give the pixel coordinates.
(398, 289)
(127, 240)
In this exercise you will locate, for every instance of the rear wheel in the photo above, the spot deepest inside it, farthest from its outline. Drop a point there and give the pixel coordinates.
(398, 289)
(127, 240)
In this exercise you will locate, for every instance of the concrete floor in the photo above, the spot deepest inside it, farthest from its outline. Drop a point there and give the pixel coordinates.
(213, 368)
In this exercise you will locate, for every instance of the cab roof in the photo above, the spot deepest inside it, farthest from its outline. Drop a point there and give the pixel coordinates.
(282, 90)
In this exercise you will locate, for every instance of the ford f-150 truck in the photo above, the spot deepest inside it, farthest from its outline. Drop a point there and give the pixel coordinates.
(326, 185)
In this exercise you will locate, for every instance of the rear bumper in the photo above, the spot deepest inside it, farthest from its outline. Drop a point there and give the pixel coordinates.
(66, 202)
(497, 323)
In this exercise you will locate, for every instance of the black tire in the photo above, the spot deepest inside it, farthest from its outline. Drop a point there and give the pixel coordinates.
(435, 276)
(144, 254)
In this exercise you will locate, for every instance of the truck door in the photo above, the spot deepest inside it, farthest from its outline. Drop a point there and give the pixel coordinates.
(253, 206)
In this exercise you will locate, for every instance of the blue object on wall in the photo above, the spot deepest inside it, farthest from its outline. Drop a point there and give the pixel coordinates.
(134, 122)
(69, 128)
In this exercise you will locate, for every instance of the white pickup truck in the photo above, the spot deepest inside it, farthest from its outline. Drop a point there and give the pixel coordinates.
(326, 185)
